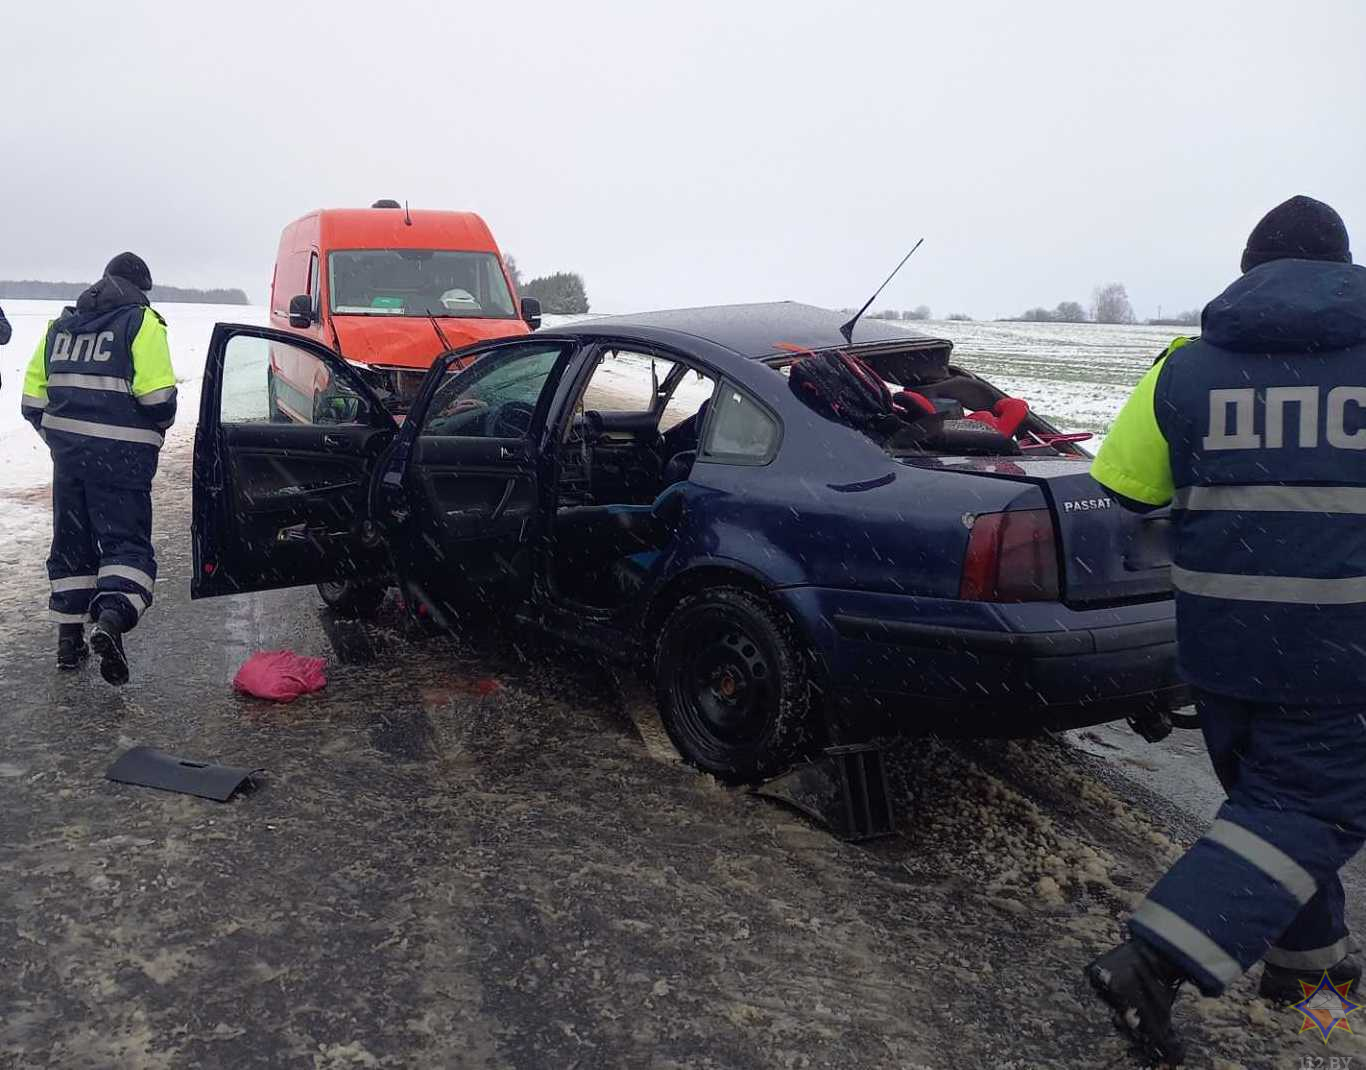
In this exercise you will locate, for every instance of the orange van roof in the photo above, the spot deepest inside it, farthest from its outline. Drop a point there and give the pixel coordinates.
(384, 228)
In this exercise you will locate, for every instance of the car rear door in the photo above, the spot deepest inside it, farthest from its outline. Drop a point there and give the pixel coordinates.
(281, 492)
(474, 459)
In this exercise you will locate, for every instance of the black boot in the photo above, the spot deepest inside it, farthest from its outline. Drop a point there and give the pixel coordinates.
(1281, 984)
(71, 648)
(106, 639)
(1141, 986)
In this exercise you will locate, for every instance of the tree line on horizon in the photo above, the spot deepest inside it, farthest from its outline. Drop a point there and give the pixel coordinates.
(562, 293)
(1109, 304)
(37, 290)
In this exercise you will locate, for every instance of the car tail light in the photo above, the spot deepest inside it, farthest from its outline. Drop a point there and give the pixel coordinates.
(1012, 557)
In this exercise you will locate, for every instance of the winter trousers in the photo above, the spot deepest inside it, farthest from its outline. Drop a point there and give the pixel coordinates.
(1263, 881)
(102, 556)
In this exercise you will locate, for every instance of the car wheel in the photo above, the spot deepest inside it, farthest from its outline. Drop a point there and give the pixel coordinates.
(732, 685)
(272, 400)
(353, 598)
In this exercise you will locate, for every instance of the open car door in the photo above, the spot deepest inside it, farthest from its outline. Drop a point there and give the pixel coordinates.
(475, 456)
(286, 447)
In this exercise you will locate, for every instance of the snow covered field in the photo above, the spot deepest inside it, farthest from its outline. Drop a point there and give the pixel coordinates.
(1077, 375)
(24, 461)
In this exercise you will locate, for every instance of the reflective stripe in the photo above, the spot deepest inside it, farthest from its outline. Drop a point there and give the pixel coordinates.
(128, 572)
(113, 431)
(136, 602)
(1320, 958)
(1273, 499)
(73, 583)
(32, 401)
(1267, 857)
(1295, 590)
(67, 618)
(1181, 934)
(156, 397)
(91, 382)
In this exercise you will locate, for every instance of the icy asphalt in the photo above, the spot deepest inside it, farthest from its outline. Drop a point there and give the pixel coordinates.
(443, 871)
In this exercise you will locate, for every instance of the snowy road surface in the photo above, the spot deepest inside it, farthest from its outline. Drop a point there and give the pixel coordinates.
(468, 853)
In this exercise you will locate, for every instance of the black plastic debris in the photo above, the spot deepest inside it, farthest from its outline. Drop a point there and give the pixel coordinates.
(148, 767)
(846, 791)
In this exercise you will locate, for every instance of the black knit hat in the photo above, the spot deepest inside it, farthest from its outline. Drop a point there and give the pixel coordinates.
(132, 267)
(1299, 229)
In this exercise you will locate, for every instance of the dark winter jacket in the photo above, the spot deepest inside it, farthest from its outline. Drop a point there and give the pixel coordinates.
(5, 332)
(1256, 434)
(100, 388)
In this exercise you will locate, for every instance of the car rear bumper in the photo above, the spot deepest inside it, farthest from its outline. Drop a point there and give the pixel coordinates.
(995, 669)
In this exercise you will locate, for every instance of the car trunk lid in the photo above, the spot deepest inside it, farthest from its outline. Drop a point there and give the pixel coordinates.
(1108, 553)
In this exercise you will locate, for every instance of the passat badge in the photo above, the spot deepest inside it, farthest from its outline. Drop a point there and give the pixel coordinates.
(1087, 505)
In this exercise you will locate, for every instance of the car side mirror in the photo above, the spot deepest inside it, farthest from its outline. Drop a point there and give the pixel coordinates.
(531, 312)
(301, 311)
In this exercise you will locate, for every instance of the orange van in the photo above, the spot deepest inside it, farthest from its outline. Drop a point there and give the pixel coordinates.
(369, 282)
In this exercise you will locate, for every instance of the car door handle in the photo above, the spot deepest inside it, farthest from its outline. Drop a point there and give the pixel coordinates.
(334, 442)
(511, 453)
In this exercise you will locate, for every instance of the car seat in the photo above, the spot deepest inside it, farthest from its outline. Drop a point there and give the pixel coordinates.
(684, 435)
(974, 394)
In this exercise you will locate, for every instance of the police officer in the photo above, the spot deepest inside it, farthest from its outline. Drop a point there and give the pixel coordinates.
(101, 392)
(1255, 432)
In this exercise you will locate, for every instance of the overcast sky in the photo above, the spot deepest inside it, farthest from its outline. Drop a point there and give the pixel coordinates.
(696, 152)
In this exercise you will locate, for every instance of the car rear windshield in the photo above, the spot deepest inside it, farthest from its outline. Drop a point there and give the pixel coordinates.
(418, 282)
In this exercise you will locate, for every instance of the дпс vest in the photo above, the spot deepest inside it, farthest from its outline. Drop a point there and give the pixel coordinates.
(102, 406)
(1264, 418)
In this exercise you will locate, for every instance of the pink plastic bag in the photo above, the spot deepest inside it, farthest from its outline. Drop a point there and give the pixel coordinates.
(280, 675)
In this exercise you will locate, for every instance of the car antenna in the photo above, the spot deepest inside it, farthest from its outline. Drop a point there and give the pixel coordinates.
(407, 215)
(436, 326)
(848, 329)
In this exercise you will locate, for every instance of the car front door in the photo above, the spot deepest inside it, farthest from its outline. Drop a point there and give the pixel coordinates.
(473, 463)
(281, 481)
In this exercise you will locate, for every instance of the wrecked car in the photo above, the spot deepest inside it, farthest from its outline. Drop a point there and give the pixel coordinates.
(654, 489)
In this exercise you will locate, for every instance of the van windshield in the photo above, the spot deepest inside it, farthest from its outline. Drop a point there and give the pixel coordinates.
(414, 282)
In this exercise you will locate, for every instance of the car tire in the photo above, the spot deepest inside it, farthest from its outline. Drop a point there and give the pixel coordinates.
(732, 685)
(273, 409)
(353, 598)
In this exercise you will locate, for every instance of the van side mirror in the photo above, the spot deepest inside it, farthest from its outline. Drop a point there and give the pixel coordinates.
(531, 312)
(301, 311)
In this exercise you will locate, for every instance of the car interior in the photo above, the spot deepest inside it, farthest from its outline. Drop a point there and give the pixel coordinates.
(630, 443)
(960, 400)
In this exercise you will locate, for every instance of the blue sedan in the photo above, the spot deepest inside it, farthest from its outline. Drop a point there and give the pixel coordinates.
(654, 489)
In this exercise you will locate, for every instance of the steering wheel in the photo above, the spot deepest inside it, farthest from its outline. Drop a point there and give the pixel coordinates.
(511, 419)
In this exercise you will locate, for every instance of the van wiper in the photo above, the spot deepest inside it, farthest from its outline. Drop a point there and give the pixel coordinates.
(436, 326)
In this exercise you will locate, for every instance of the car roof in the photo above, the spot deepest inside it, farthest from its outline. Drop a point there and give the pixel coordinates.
(386, 228)
(760, 331)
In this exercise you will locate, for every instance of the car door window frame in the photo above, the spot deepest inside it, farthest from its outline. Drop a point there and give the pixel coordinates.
(417, 417)
(211, 401)
(597, 348)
